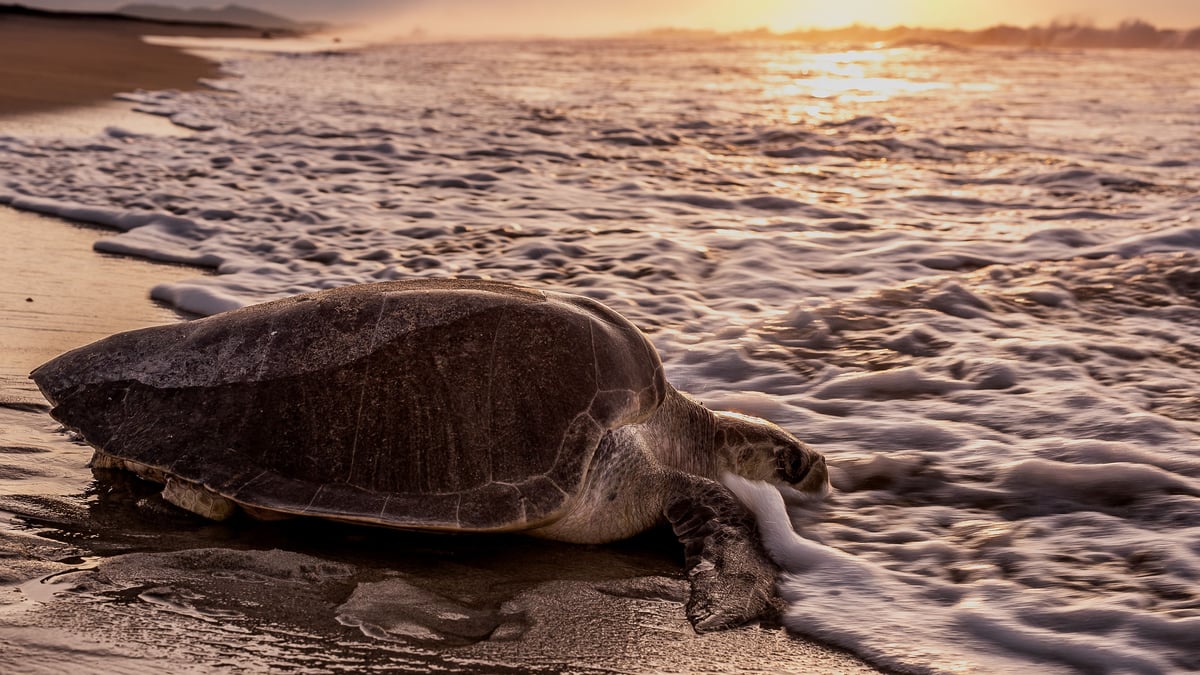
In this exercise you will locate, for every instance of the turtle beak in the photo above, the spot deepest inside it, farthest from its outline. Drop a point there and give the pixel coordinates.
(812, 486)
(817, 480)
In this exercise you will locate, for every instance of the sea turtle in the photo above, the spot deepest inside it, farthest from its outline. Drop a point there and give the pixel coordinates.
(438, 405)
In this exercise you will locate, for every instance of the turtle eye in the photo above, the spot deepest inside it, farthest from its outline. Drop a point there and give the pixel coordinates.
(792, 464)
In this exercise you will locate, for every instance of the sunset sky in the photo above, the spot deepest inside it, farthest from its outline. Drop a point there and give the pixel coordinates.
(595, 17)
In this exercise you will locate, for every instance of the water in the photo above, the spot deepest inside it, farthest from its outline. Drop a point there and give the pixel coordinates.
(970, 277)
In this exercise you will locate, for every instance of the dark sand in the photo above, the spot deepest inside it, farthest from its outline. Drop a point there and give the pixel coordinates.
(104, 577)
(56, 61)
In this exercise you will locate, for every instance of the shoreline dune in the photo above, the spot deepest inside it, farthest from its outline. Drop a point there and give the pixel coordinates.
(50, 61)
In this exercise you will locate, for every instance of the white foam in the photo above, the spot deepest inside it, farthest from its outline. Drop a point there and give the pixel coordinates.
(886, 614)
(1117, 482)
(195, 299)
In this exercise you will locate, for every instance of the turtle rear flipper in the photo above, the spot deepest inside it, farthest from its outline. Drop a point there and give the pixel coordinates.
(733, 580)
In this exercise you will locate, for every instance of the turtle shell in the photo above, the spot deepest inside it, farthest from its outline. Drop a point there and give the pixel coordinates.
(440, 404)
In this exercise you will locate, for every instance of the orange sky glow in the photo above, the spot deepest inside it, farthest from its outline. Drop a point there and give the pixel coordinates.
(782, 15)
(553, 17)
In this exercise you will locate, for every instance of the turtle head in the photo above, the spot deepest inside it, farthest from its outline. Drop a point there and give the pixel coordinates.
(757, 449)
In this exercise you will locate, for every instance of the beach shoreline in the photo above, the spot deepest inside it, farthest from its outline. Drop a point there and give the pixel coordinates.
(50, 61)
(58, 294)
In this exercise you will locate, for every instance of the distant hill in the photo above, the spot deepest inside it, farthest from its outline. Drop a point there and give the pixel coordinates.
(163, 26)
(1128, 34)
(230, 14)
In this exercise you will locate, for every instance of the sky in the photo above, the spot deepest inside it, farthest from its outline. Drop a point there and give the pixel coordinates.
(591, 17)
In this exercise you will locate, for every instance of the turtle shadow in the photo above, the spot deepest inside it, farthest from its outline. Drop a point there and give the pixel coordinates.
(421, 589)
(127, 514)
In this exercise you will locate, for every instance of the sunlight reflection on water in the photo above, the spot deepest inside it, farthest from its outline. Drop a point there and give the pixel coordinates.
(853, 76)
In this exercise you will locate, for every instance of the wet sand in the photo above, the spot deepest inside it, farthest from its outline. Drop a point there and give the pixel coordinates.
(52, 61)
(56, 294)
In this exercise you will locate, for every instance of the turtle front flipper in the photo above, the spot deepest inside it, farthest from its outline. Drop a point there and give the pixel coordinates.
(733, 580)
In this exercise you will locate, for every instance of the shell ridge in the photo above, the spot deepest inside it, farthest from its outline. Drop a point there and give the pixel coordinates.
(260, 474)
(595, 358)
(521, 500)
(563, 441)
(487, 406)
(313, 500)
(126, 418)
(362, 394)
(462, 498)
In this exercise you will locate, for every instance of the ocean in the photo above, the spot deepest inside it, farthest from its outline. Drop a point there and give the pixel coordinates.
(970, 277)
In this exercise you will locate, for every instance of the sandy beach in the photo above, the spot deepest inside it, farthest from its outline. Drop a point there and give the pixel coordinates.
(50, 61)
(49, 304)
(75, 553)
